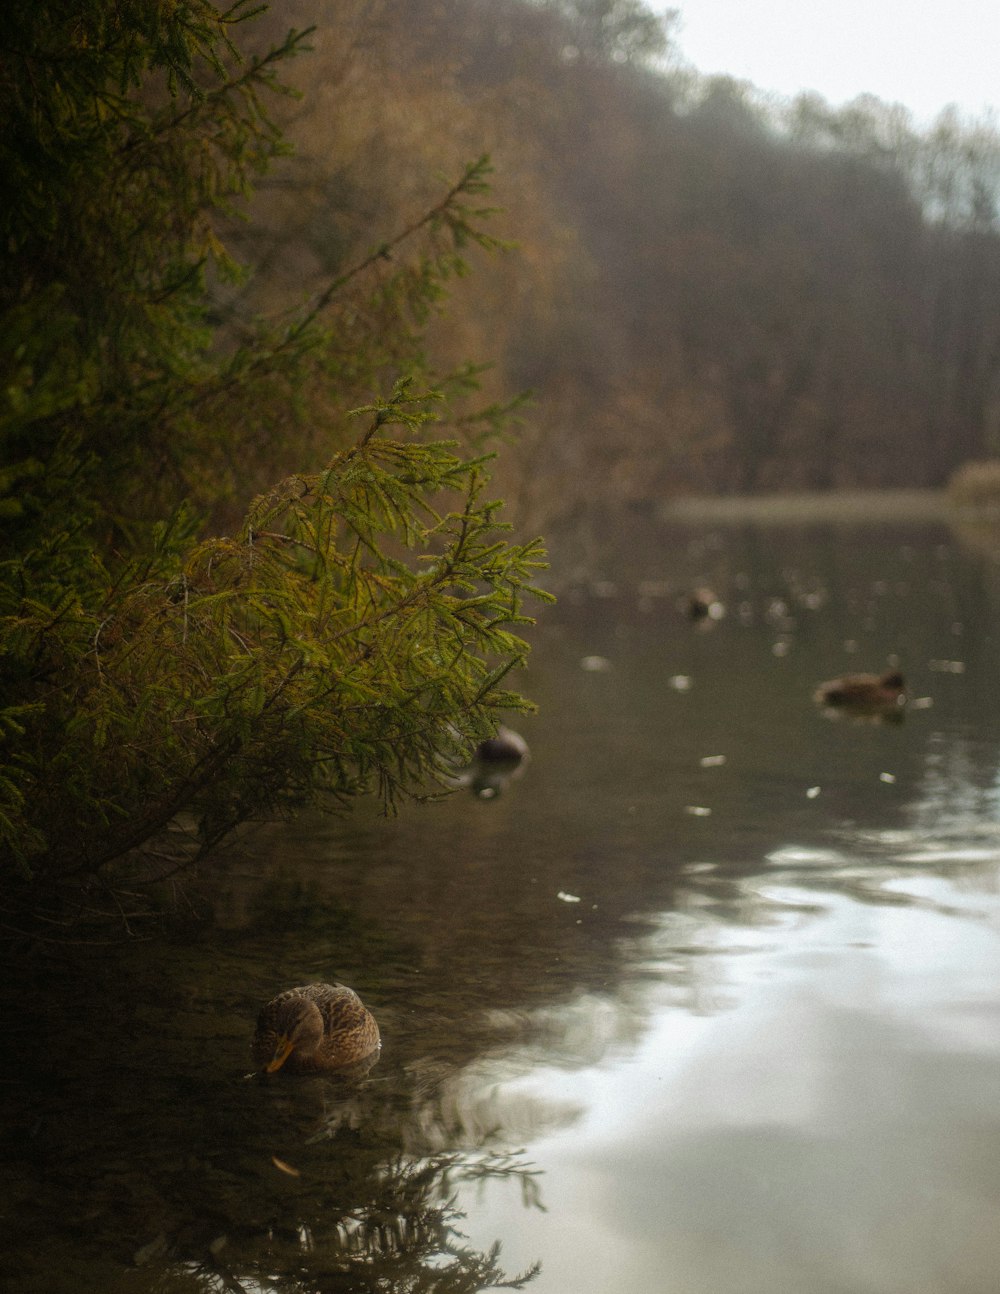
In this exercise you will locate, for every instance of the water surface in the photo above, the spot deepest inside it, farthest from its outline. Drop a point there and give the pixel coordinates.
(707, 1000)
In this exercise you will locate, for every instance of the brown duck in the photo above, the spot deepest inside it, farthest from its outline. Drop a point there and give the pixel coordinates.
(318, 1028)
(863, 691)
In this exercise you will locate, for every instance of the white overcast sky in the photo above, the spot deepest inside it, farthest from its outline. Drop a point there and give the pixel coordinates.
(920, 54)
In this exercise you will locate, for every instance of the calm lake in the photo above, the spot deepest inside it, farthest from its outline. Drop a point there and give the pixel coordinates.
(706, 1001)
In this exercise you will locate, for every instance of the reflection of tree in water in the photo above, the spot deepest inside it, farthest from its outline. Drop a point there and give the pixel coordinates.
(317, 1195)
(402, 1237)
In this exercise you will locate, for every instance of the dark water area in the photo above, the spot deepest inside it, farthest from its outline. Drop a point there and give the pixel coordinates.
(708, 999)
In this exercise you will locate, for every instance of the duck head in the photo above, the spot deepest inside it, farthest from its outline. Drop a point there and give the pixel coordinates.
(294, 1026)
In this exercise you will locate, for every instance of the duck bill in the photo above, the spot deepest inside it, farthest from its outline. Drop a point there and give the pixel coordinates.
(281, 1053)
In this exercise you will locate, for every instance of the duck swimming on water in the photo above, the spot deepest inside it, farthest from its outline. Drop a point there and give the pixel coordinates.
(703, 605)
(507, 747)
(863, 692)
(494, 763)
(316, 1028)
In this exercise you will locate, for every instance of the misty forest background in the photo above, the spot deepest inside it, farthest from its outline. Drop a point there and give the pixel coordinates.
(711, 292)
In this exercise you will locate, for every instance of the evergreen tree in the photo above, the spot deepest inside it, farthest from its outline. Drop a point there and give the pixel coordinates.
(355, 632)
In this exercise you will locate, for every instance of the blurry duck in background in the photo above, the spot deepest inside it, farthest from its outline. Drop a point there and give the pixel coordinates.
(507, 747)
(316, 1028)
(703, 608)
(495, 762)
(874, 695)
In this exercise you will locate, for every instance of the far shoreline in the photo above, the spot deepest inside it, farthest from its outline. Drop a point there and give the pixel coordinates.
(797, 507)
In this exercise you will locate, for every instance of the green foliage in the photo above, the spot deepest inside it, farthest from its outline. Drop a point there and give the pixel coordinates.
(129, 131)
(306, 655)
(357, 630)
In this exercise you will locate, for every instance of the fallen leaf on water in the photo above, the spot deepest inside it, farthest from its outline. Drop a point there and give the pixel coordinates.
(285, 1168)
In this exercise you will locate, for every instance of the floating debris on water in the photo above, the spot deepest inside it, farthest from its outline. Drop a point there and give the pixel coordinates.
(285, 1168)
(697, 810)
(812, 792)
(712, 761)
(947, 666)
(922, 703)
(568, 898)
(595, 664)
(680, 682)
(887, 777)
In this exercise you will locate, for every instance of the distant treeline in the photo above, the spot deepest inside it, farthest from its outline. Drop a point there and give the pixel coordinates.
(709, 291)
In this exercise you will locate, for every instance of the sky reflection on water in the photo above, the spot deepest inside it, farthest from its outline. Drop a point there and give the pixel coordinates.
(812, 1105)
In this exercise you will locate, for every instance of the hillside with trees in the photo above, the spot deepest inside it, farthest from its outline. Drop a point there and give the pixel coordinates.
(709, 292)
